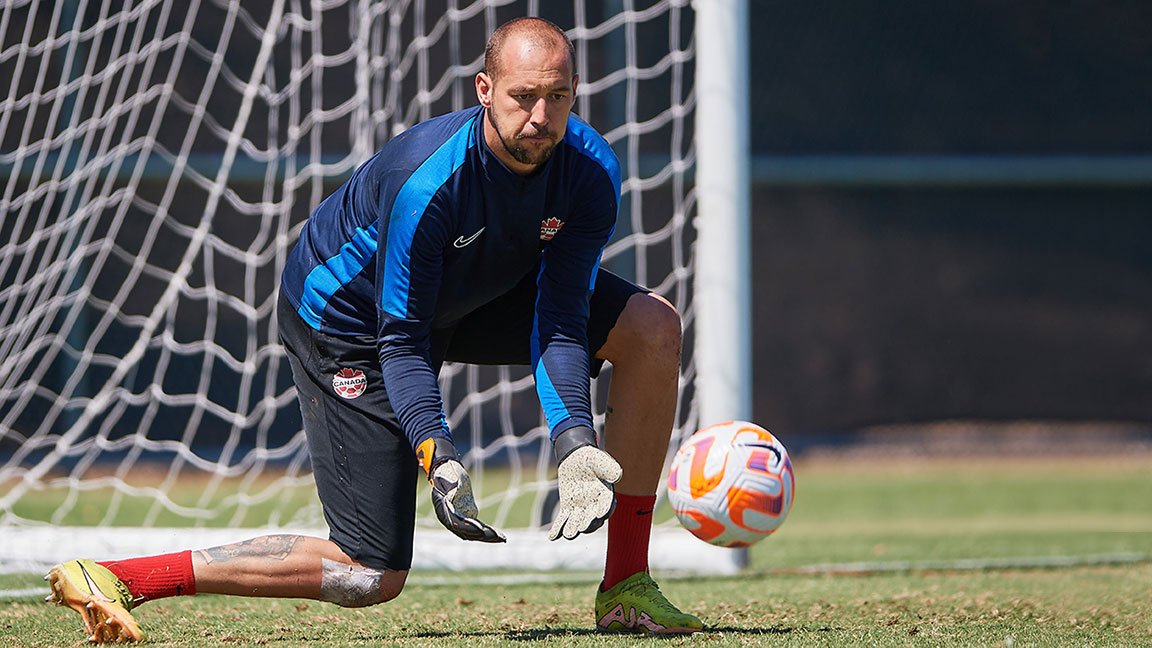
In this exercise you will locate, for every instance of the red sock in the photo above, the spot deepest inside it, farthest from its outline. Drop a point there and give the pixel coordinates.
(156, 577)
(628, 531)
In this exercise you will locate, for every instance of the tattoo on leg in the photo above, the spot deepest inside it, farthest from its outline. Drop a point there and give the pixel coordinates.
(608, 411)
(275, 547)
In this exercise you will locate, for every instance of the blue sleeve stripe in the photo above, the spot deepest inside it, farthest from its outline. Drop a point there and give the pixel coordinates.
(411, 202)
(550, 401)
(328, 277)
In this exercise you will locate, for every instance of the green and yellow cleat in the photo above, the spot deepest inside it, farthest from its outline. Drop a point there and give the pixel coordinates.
(102, 600)
(635, 604)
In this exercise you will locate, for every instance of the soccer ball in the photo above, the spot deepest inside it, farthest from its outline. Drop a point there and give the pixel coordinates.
(731, 484)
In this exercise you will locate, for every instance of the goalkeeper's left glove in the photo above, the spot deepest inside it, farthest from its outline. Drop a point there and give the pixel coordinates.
(585, 474)
(452, 492)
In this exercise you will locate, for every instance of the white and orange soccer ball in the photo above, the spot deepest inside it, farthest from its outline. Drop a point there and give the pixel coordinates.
(731, 484)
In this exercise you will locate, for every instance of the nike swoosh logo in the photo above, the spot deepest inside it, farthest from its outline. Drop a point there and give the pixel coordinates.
(461, 242)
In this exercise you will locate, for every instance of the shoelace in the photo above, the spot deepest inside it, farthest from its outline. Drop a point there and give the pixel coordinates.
(645, 584)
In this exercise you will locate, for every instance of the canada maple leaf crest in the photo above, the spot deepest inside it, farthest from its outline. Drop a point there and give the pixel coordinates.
(349, 383)
(549, 227)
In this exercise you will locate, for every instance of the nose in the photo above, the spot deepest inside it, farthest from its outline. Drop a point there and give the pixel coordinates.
(539, 115)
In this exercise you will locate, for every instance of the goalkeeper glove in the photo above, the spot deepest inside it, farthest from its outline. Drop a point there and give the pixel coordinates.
(452, 492)
(585, 474)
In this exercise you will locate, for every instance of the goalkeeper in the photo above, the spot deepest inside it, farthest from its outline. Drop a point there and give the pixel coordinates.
(472, 237)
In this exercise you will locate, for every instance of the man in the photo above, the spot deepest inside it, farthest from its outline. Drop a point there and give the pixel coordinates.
(473, 237)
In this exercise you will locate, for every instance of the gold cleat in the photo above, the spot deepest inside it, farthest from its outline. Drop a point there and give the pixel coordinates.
(102, 600)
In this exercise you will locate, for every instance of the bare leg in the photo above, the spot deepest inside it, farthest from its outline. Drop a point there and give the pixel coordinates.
(644, 349)
(277, 566)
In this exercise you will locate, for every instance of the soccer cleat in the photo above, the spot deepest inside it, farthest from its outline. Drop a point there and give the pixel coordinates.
(635, 604)
(102, 600)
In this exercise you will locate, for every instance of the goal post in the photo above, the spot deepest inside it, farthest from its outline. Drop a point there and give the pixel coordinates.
(157, 160)
(723, 268)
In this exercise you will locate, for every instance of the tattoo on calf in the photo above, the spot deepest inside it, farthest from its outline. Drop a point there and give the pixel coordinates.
(275, 547)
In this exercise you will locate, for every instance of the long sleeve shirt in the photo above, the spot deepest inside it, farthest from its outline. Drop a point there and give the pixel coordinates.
(434, 226)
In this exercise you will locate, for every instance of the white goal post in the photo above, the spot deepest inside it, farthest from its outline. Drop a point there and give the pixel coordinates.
(157, 159)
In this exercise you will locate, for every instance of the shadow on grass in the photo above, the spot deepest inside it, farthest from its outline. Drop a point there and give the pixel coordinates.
(550, 633)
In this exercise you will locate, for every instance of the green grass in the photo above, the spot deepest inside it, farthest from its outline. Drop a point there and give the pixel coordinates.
(849, 512)
(934, 510)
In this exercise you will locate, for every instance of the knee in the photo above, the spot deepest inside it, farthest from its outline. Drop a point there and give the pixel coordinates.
(649, 328)
(392, 584)
(359, 586)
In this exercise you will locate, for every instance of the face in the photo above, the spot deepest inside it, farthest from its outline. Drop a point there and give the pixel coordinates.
(527, 103)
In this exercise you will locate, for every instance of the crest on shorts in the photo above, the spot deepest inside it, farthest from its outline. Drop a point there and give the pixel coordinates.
(349, 383)
(549, 227)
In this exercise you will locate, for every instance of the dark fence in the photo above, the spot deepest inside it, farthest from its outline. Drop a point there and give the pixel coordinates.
(954, 212)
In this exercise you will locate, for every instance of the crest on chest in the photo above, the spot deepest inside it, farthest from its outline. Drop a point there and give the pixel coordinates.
(549, 227)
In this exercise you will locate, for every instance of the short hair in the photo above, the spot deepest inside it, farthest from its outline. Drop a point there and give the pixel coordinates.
(541, 32)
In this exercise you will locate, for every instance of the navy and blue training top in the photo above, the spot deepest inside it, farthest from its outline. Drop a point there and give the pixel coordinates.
(432, 227)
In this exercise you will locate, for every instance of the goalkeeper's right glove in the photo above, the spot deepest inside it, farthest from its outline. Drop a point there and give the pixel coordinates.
(452, 492)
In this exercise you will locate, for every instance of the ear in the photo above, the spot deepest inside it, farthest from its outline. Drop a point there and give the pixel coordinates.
(484, 89)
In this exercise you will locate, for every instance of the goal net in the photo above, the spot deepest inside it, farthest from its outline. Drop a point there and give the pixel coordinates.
(158, 159)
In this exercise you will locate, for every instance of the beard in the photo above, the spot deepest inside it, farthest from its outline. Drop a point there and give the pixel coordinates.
(526, 155)
(521, 153)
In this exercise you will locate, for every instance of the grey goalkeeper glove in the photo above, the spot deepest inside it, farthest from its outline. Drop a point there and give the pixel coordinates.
(585, 474)
(452, 492)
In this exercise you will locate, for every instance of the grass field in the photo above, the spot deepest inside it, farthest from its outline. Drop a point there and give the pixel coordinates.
(980, 552)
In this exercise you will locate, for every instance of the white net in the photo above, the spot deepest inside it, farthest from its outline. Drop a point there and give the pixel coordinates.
(158, 159)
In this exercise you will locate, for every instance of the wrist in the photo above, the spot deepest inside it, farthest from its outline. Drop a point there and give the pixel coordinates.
(434, 451)
(571, 440)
